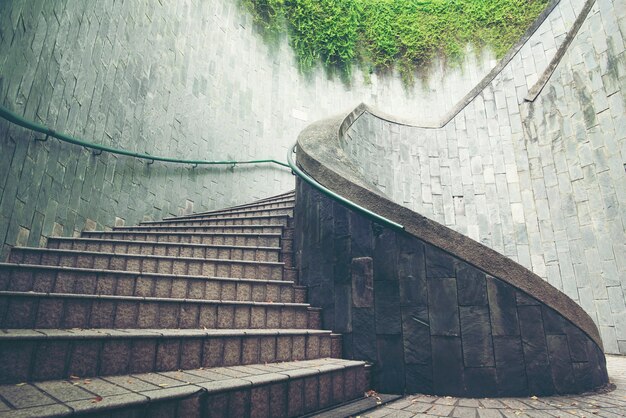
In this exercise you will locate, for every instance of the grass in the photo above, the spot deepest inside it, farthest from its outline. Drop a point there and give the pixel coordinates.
(379, 35)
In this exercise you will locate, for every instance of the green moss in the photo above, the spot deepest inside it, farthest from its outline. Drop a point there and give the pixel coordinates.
(381, 34)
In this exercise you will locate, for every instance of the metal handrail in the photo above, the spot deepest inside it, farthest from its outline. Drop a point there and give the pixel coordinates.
(372, 215)
(25, 123)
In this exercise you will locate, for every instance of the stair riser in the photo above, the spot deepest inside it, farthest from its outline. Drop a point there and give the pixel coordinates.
(167, 250)
(291, 398)
(56, 358)
(189, 238)
(215, 268)
(103, 283)
(249, 229)
(66, 313)
(285, 204)
(232, 214)
(271, 220)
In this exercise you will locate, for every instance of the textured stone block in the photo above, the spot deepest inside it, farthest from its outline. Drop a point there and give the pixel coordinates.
(362, 271)
(50, 360)
(142, 356)
(384, 256)
(480, 382)
(448, 376)
(278, 400)
(364, 334)
(503, 307)
(476, 335)
(443, 307)
(419, 378)
(510, 367)
(439, 264)
(115, 357)
(561, 364)
(168, 352)
(311, 394)
(472, 287)
(387, 308)
(390, 364)
(295, 397)
(416, 335)
(190, 354)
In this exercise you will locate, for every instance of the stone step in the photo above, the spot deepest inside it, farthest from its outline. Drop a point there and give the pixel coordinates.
(284, 220)
(219, 229)
(149, 263)
(66, 311)
(244, 239)
(287, 203)
(37, 354)
(166, 249)
(287, 389)
(54, 279)
(246, 213)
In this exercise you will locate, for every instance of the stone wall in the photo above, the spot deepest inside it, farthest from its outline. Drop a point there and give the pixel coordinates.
(188, 79)
(543, 181)
(428, 321)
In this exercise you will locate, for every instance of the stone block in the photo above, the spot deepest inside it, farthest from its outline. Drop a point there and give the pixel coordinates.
(390, 372)
(472, 288)
(311, 393)
(476, 335)
(168, 352)
(364, 334)
(439, 264)
(448, 369)
(115, 357)
(416, 335)
(443, 309)
(503, 307)
(387, 308)
(480, 382)
(419, 378)
(510, 367)
(362, 271)
(561, 364)
(385, 256)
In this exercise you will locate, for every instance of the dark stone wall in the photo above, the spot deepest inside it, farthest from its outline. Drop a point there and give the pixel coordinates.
(429, 322)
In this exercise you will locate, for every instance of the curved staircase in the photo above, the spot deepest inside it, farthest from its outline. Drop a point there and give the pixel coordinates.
(197, 315)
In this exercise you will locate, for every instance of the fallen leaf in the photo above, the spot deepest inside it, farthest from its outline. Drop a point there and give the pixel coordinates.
(74, 377)
(534, 398)
(163, 385)
(20, 384)
(96, 399)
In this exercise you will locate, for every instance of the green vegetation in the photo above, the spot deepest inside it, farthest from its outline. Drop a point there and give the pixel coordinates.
(380, 34)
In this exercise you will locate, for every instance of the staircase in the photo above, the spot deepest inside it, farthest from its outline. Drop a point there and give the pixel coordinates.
(197, 315)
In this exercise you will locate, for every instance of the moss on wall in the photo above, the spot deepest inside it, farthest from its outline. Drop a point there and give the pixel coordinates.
(380, 34)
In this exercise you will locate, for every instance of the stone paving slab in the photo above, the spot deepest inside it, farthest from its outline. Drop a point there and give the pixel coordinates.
(611, 403)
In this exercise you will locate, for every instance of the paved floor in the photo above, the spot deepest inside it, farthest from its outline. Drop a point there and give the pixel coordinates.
(610, 405)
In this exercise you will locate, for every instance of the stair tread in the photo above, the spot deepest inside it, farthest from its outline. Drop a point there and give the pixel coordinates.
(166, 227)
(76, 395)
(284, 204)
(223, 218)
(163, 243)
(123, 333)
(77, 252)
(147, 299)
(245, 234)
(137, 273)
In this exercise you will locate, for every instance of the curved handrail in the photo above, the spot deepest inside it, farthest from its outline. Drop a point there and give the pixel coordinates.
(25, 123)
(372, 215)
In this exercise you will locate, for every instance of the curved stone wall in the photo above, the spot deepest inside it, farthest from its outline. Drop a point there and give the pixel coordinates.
(538, 179)
(180, 78)
(428, 321)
